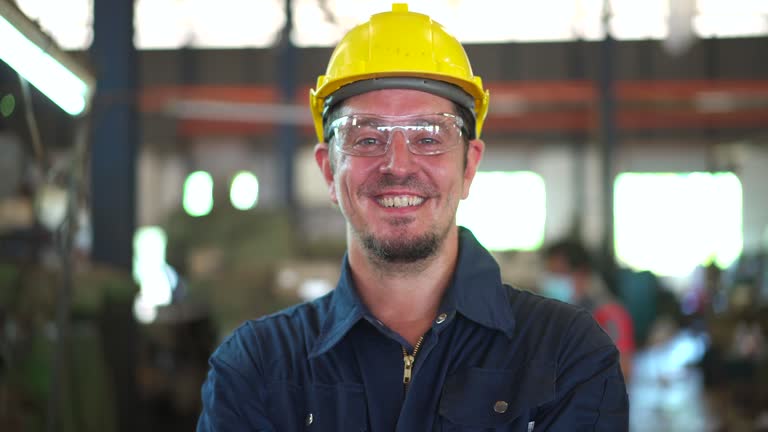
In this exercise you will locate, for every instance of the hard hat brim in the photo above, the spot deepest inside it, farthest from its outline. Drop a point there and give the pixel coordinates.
(439, 88)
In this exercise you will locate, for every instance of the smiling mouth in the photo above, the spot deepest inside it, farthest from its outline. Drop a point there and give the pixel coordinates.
(400, 201)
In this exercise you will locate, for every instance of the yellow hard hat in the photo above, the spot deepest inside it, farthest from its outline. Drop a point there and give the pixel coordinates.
(399, 49)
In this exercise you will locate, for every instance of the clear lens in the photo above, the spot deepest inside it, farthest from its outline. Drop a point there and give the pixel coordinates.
(370, 135)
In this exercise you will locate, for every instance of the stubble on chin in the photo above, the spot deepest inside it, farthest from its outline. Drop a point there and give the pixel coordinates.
(401, 247)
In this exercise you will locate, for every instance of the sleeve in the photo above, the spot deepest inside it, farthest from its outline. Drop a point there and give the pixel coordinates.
(590, 394)
(233, 395)
(617, 322)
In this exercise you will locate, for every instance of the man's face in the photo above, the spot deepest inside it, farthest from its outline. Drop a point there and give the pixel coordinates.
(399, 206)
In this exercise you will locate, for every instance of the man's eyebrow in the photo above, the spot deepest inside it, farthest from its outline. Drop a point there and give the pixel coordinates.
(367, 121)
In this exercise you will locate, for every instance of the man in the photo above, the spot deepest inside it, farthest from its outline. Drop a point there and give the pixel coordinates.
(571, 276)
(419, 334)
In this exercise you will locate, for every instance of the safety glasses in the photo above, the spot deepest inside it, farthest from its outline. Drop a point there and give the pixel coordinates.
(370, 135)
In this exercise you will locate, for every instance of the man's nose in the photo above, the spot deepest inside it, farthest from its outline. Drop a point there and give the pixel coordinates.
(398, 157)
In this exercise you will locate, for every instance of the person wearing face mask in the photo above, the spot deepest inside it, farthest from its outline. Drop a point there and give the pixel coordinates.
(571, 276)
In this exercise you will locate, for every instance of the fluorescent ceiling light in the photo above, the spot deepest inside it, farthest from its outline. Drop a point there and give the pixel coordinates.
(26, 49)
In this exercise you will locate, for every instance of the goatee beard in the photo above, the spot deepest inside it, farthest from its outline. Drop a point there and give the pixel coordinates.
(402, 250)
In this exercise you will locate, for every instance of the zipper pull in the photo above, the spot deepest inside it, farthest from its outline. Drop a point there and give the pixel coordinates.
(408, 360)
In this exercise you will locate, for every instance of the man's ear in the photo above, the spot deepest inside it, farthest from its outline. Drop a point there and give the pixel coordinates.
(475, 152)
(323, 159)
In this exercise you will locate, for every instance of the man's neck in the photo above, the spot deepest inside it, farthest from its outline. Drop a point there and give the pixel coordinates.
(405, 297)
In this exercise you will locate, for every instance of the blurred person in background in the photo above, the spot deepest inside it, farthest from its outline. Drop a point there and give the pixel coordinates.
(420, 334)
(571, 276)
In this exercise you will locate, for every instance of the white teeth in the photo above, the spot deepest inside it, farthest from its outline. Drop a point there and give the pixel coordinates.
(400, 201)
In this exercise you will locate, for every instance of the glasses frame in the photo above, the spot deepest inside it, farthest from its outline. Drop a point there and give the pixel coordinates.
(394, 123)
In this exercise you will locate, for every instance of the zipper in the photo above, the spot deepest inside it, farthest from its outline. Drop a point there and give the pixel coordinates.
(408, 360)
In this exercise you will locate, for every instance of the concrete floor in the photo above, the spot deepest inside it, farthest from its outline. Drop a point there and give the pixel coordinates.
(667, 392)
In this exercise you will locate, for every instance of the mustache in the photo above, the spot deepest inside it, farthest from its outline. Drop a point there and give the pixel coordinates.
(386, 181)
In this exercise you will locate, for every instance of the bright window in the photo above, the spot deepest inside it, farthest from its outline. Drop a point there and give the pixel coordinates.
(732, 18)
(632, 19)
(669, 223)
(155, 277)
(469, 21)
(505, 210)
(69, 23)
(549, 20)
(244, 192)
(169, 24)
(198, 194)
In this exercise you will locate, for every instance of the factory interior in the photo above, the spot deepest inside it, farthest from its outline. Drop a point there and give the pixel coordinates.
(158, 188)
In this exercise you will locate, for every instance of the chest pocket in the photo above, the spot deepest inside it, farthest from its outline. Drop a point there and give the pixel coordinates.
(495, 400)
(318, 407)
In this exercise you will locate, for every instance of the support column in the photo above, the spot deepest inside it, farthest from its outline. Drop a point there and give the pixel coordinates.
(287, 132)
(115, 138)
(608, 140)
(115, 134)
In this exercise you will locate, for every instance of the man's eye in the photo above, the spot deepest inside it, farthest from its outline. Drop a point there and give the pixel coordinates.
(366, 142)
(426, 139)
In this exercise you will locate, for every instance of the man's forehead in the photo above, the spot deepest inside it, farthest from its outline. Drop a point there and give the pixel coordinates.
(396, 102)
